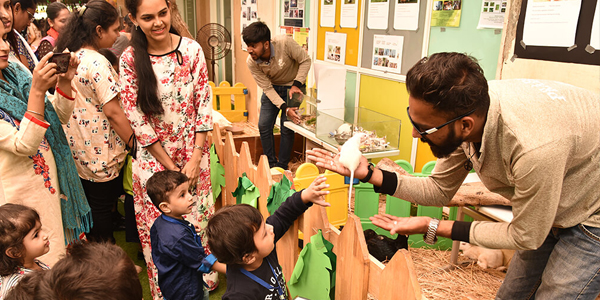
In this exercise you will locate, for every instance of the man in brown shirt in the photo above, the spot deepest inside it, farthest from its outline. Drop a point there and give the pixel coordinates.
(535, 142)
(280, 67)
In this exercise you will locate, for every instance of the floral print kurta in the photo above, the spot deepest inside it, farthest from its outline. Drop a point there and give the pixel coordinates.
(187, 101)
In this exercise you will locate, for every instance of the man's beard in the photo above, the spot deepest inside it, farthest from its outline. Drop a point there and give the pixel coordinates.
(446, 148)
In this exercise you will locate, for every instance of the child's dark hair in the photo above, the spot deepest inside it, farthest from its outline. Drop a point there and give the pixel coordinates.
(159, 184)
(256, 32)
(89, 271)
(81, 27)
(16, 221)
(110, 56)
(53, 10)
(230, 232)
(147, 98)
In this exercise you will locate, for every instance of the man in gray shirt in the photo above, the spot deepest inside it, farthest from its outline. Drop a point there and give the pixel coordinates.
(280, 67)
(535, 142)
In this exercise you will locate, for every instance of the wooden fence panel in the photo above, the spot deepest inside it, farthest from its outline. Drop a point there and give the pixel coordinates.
(358, 273)
(352, 274)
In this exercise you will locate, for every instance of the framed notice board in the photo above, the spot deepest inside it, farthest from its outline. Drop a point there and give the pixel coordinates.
(578, 53)
(413, 40)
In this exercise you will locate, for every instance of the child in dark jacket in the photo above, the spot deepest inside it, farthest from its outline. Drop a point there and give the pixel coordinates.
(240, 238)
(176, 247)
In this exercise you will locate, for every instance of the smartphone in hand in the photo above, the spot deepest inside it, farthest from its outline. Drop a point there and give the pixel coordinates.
(62, 61)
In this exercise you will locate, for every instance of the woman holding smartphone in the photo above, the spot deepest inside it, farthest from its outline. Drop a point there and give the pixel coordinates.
(36, 166)
(98, 129)
(168, 102)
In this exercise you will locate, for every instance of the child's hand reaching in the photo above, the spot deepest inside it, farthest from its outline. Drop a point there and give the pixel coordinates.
(314, 193)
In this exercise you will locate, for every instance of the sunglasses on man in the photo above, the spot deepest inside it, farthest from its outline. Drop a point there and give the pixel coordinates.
(434, 129)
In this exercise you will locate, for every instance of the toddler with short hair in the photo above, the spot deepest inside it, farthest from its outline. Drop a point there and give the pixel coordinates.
(240, 238)
(177, 248)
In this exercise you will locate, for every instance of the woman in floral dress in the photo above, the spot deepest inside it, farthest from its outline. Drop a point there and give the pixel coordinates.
(167, 99)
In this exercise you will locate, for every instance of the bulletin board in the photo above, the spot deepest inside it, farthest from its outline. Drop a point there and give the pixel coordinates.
(413, 40)
(352, 35)
(512, 66)
(483, 44)
(285, 21)
(577, 55)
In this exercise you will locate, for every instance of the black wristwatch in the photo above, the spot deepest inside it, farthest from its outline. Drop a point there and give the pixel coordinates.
(370, 167)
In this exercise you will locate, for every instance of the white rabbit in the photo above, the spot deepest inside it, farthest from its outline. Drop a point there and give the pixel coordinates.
(486, 258)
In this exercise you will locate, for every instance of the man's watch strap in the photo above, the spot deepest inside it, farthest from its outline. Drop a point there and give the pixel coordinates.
(430, 237)
(371, 168)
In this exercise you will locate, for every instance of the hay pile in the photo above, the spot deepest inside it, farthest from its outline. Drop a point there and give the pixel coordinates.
(467, 282)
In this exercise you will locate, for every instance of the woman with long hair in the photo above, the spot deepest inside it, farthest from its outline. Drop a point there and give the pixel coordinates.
(58, 15)
(167, 99)
(98, 129)
(36, 165)
(22, 15)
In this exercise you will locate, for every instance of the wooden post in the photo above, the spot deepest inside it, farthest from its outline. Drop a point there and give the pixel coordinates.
(288, 251)
(263, 182)
(352, 274)
(245, 163)
(398, 279)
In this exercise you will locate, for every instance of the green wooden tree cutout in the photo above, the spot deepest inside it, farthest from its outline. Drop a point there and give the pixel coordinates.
(217, 173)
(280, 191)
(314, 270)
(246, 192)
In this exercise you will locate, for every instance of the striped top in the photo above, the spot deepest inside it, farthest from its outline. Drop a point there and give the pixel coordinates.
(9, 281)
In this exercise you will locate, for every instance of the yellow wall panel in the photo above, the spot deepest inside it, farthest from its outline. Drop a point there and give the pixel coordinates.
(352, 35)
(389, 98)
(424, 156)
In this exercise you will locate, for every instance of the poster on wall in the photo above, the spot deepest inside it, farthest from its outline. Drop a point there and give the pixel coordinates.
(293, 13)
(387, 53)
(406, 14)
(287, 30)
(492, 14)
(300, 35)
(378, 14)
(349, 13)
(446, 13)
(551, 23)
(595, 38)
(328, 13)
(335, 47)
(248, 15)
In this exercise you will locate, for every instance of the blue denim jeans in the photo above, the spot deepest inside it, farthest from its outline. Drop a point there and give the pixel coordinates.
(266, 123)
(566, 266)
